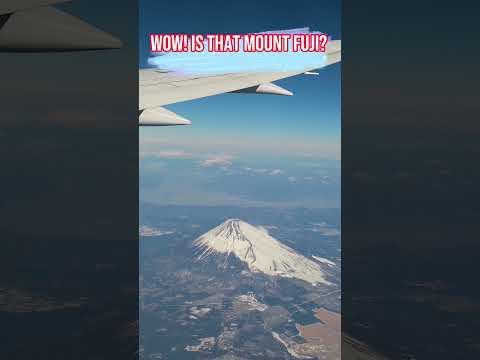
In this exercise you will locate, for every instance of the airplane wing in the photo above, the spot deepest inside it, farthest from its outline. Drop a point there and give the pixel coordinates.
(159, 88)
(36, 26)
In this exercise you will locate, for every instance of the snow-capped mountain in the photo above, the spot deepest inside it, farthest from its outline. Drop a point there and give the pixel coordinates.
(260, 251)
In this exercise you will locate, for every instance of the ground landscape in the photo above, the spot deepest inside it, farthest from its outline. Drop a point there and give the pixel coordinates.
(239, 283)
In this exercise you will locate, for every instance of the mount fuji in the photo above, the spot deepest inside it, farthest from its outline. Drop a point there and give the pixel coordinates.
(259, 251)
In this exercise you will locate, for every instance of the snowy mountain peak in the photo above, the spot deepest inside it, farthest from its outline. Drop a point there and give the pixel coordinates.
(260, 251)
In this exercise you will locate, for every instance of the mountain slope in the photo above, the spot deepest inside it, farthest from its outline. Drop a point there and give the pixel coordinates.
(260, 251)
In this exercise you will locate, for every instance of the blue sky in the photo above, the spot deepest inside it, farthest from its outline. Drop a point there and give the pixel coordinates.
(299, 136)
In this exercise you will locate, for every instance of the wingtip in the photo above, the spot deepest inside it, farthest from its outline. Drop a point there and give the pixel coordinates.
(108, 41)
(53, 30)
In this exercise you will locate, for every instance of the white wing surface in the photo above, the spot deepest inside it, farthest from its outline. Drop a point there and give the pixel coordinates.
(158, 88)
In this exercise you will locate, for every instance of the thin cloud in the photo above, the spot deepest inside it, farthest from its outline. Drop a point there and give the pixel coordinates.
(167, 154)
(263, 171)
(326, 149)
(222, 161)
